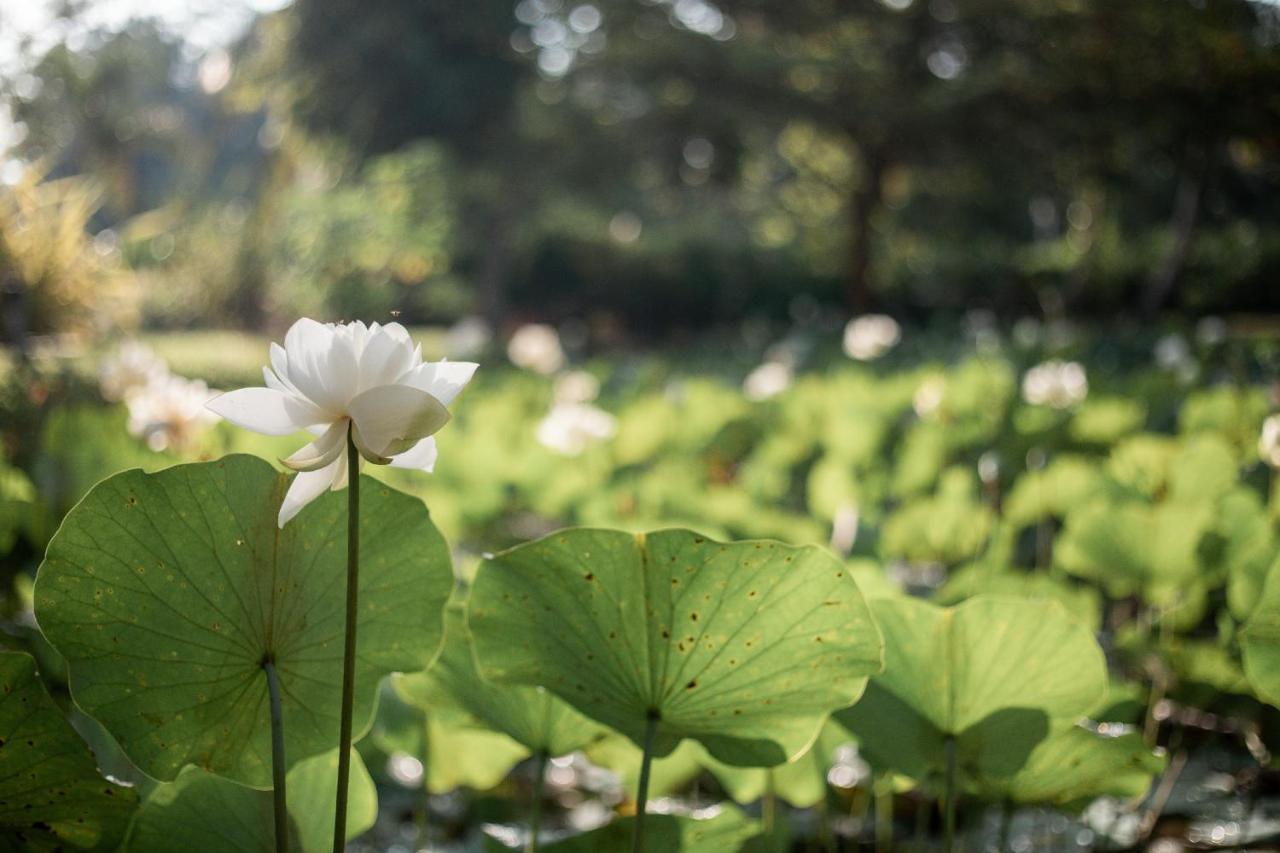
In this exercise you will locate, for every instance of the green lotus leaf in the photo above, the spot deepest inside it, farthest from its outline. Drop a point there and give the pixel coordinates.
(727, 832)
(1231, 410)
(1105, 420)
(1206, 663)
(1249, 548)
(746, 647)
(667, 775)
(1141, 462)
(529, 715)
(1075, 766)
(1132, 547)
(802, 783)
(228, 817)
(464, 757)
(1260, 641)
(166, 593)
(920, 458)
(1039, 494)
(456, 749)
(1082, 602)
(996, 673)
(51, 794)
(832, 484)
(1204, 469)
(949, 526)
(872, 580)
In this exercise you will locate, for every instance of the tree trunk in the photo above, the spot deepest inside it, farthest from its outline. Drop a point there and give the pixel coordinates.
(864, 206)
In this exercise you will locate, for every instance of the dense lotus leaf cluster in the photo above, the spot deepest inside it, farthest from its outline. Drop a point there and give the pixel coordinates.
(980, 598)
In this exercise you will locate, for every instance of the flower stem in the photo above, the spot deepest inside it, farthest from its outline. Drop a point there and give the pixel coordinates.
(769, 805)
(535, 816)
(349, 646)
(279, 800)
(424, 817)
(642, 794)
(949, 798)
(883, 790)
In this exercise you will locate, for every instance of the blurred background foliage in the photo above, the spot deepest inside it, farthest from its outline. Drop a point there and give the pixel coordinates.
(654, 167)
(662, 213)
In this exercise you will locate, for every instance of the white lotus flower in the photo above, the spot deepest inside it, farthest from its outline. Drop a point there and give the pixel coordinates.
(130, 368)
(871, 336)
(1269, 441)
(570, 428)
(1060, 384)
(328, 379)
(536, 347)
(768, 380)
(169, 412)
(576, 386)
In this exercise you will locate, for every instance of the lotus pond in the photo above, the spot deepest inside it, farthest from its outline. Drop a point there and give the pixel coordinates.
(989, 590)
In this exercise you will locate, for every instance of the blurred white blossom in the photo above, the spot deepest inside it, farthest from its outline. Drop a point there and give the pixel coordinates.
(848, 768)
(871, 336)
(928, 396)
(169, 412)
(570, 428)
(844, 528)
(131, 367)
(405, 769)
(767, 380)
(536, 347)
(576, 386)
(467, 338)
(1060, 384)
(989, 467)
(1269, 441)
(1173, 353)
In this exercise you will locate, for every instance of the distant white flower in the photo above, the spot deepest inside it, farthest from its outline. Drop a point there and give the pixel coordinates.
(768, 380)
(536, 347)
(844, 528)
(467, 338)
(169, 412)
(1060, 384)
(1211, 331)
(570, 428)
(1269, 441)
(576, 386)
(131, 367)
(330, 379)
(928, 396)
(989, 467)
(1172, 352)
(871, 336)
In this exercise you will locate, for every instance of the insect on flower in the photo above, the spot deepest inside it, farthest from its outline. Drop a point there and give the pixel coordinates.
(333, 378)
